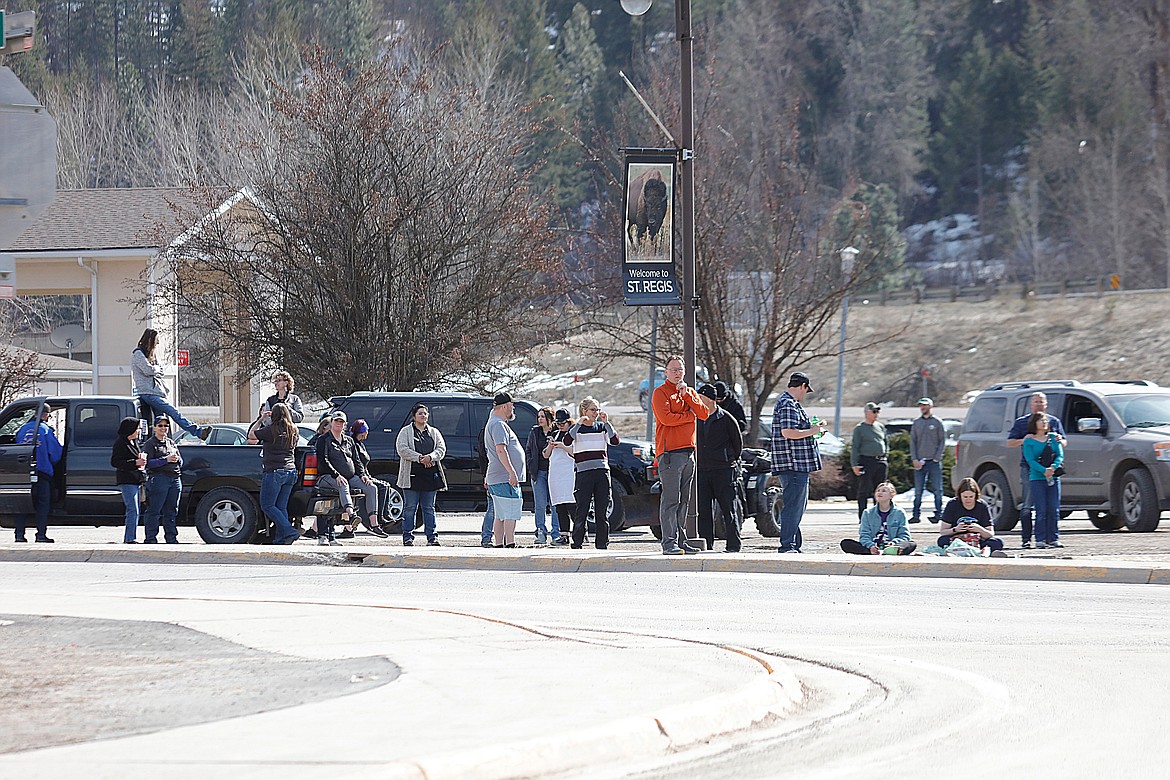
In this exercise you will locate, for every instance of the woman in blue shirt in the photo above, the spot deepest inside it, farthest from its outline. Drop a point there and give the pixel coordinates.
(1045, 484)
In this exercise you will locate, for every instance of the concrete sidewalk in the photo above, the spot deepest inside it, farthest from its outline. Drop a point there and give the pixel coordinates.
(561, 560)
(473, 699)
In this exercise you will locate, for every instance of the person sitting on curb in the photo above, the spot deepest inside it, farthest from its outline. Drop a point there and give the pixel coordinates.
(967, 517)
(883, 528)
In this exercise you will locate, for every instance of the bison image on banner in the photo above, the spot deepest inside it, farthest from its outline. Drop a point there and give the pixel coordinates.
(648, 240)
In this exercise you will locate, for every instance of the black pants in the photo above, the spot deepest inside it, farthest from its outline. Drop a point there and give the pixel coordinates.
(873, 473)
(717, 485)
(592, 485)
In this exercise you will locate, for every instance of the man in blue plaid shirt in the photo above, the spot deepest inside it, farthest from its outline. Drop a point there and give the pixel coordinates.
(794, 456)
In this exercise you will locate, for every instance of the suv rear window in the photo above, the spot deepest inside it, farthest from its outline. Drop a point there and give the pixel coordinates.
(986, 416)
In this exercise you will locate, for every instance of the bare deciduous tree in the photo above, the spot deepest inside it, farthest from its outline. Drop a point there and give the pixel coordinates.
(394, 241)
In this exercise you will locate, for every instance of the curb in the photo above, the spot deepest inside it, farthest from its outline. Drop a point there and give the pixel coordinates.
(633, 738)
(1120, 572)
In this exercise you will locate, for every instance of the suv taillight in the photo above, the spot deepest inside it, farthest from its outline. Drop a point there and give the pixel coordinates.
(310, 477)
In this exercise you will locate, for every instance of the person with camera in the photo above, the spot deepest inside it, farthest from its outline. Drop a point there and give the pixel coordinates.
(129, 464)
(968, 518)
(883, 529)
(590, 439)
(164, 465)
(1044, 452)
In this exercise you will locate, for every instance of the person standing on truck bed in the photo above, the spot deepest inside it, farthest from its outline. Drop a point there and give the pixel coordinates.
(284, 394)
(147, 376)
(344, 471)
(164, 464)
(48, 453)
(129, 463)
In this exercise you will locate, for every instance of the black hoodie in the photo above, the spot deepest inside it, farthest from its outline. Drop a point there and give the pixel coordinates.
(124, 457)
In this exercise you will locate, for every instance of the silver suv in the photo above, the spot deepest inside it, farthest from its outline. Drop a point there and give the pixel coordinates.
(1117, 450)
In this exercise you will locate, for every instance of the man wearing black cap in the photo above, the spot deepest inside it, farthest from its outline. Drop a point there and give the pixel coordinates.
(794, 456)
(47, 453)
(719, 444)
(728, 403)
(867, 455)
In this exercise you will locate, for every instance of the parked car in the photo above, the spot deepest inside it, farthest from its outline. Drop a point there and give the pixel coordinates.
(227, 433)
(221, 485)
(1117, 449)
(461, 418)
(830, 446)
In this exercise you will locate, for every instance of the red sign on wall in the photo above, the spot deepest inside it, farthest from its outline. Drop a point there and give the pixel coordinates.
(184, 357)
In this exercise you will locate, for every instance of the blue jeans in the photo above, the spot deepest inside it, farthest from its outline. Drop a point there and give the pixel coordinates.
(1046, 500)
(931, 472)
(275, 488)
(541, 505)
(162, 499)
(1025, 502)
(410, 502)
(795, 498)
(130, 500)
(42, 495)
(162, 406)
(489, 522)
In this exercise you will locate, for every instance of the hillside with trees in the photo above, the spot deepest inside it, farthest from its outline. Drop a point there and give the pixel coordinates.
(952, 141)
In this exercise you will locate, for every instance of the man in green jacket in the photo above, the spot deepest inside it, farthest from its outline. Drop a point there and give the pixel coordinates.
(868, 454)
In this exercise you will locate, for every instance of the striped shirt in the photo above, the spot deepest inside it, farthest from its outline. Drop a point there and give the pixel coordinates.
(590, 445)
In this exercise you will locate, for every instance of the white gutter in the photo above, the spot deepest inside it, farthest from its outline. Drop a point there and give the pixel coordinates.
(93, 320)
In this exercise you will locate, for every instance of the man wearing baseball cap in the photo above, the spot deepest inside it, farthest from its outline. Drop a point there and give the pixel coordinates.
(719, 443)
(795, 455)
(867, 455)
(928, 439)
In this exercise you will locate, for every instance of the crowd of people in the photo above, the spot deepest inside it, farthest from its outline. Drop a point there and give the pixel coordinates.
(698, 437)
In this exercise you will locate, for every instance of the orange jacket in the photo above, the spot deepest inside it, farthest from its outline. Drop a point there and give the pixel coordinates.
(675, 414)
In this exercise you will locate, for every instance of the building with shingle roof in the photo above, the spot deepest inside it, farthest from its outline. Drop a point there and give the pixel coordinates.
(104, 243)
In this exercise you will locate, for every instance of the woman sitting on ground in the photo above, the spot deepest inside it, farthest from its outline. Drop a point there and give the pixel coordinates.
(883, 528)
(967, 517)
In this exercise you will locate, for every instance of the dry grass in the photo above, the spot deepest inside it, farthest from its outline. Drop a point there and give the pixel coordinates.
(966, 346)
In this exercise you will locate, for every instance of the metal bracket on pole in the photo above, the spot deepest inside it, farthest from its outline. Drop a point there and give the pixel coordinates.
(686, 154)
(649, 110)
(695, 302)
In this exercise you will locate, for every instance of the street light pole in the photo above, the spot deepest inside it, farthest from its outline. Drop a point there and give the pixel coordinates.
(690, 300)
(848, 255)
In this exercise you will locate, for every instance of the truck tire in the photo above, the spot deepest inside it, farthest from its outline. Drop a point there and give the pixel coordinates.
(226, 515)
(1140, 509)
(768, 522)
(644, 400)
(1105, 521)
(997, 494)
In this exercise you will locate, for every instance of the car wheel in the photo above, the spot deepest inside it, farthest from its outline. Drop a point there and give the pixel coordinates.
(1139, 501)
(644, 400)
(768, 521)
(997, 494)
(226, 515)
(1106, 521)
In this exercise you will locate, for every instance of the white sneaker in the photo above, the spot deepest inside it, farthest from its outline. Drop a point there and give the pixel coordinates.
(322, 541)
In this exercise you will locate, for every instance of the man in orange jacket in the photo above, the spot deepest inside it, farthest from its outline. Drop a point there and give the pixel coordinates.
(676, 409)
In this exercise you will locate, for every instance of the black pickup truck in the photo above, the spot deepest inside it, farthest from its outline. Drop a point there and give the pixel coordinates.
(221, 484)
(461, 418)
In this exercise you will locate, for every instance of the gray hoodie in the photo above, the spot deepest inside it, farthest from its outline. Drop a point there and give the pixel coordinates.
(146, 376)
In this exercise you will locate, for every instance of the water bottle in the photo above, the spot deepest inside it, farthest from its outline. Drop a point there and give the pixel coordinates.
(816, 421)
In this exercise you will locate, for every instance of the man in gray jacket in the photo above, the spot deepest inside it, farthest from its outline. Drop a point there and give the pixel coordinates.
(928, 438)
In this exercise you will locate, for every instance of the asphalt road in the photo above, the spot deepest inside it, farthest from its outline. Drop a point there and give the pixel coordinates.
(942, 677)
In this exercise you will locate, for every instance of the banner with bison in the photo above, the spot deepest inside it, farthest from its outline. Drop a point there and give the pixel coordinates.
(648, 274)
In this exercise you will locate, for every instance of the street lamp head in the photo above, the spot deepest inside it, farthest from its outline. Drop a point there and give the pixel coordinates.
(636, 7)
(848, 255)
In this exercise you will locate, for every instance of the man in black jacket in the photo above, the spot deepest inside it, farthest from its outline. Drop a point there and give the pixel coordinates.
(719, 443)
(342, 470)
